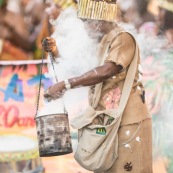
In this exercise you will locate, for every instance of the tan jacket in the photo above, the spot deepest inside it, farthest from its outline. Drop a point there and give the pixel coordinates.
(122, 52)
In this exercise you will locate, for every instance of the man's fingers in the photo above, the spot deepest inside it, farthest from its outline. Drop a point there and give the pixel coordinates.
(57, 95)
(49, 48)
(50, 42)
(47, 92)
(46, 95)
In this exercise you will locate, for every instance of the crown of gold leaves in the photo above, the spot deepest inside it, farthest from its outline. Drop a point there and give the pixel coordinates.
(166, 4)
(98, 9)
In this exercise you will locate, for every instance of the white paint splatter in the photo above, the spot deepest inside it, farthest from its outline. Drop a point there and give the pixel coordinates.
(138, 139)
(128, 132)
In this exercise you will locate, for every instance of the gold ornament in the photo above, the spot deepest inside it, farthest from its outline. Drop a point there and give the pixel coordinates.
(98, 9)
(65, 3)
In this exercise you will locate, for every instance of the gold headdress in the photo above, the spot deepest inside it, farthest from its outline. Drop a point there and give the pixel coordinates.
(65, 3)
(98, 9)
(166, 4)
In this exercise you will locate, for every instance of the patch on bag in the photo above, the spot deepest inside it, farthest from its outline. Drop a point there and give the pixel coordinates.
(101, 131)
(128, 166)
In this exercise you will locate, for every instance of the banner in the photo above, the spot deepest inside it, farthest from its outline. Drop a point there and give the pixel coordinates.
(18, 97)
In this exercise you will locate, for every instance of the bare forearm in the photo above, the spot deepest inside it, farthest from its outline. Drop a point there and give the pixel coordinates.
(88, 79)
(95, 76)
(92, 77)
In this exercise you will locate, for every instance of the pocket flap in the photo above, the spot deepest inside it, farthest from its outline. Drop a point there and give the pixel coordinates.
(88, 116)
(83, 119)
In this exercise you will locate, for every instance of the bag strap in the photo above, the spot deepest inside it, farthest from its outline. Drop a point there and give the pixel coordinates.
(127, 84)
(98, 87)
(129, 81)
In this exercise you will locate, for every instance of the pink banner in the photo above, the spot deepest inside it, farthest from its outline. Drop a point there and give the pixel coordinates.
(18, 96)
(18, 93)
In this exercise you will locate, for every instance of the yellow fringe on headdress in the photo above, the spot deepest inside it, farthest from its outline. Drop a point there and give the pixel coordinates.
(98, 10)
(65, 3)
(166, 4)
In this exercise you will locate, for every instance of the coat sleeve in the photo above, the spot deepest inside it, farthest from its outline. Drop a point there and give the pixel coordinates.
(122, 50)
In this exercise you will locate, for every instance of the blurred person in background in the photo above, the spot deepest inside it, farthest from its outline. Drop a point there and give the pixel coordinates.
(53, 10)
(136, 12)
(165, 19)
(8, 21)
(23, 26)
(31, 13)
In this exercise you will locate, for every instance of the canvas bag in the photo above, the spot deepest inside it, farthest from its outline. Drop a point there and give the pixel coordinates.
(98, 152)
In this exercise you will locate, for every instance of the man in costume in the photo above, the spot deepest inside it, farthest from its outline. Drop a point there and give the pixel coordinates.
(135, 136)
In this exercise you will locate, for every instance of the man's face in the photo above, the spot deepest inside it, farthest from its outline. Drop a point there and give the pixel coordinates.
(93, 27)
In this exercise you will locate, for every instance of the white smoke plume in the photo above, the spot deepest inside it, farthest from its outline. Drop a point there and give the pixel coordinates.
(77, 56)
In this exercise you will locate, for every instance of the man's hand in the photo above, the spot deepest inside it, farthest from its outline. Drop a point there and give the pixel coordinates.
(54, 92)
(49, 45)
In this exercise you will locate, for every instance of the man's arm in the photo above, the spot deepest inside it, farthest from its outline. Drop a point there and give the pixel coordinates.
(93, 77)
(97, 75)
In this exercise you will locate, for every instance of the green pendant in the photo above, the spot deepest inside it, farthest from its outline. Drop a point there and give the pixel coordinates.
(101, 131)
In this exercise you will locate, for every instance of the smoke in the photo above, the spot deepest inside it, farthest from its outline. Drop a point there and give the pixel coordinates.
(125, 4)
(77, 50)
(77, 56)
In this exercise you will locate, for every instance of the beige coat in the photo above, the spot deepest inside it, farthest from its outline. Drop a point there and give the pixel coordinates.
(121, 53)
(135, 133)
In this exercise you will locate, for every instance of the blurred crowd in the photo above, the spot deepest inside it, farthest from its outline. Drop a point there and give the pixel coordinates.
(152, 17)
(24, 23)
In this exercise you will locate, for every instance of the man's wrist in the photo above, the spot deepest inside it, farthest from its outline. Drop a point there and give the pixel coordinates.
(67, 84)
